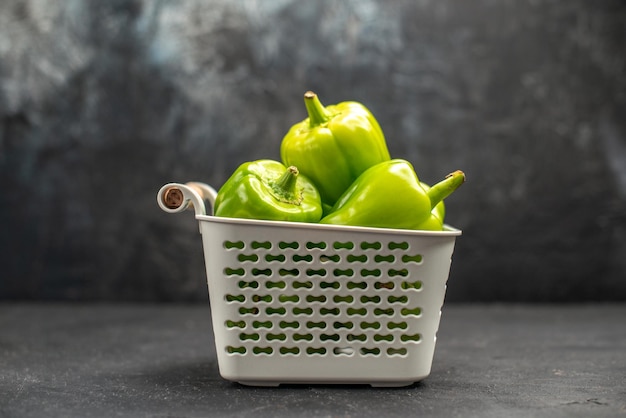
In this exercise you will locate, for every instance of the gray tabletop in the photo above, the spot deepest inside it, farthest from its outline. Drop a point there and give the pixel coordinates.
(94, 360)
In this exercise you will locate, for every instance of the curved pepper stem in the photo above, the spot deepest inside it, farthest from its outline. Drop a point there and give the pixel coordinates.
(445, 187)
(284, 189)
(316, 110)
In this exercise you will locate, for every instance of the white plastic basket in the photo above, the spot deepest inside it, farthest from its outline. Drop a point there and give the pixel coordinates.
(311, 303)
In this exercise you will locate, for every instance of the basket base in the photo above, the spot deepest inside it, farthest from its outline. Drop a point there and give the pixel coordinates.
(266, 383)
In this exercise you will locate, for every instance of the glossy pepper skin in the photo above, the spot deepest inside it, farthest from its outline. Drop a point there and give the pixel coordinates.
(389, 195)
(266, 189)
(334, 145)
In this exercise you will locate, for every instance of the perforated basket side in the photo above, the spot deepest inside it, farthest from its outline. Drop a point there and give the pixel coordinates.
(317, 303)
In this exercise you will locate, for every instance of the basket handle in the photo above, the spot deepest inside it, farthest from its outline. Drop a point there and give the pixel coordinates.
(177, 197)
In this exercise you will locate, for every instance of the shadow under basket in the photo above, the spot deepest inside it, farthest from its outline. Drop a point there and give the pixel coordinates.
(319, 304)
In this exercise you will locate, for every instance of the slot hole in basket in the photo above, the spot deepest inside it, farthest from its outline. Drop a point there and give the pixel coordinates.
(303, 311)
(235, 350)
(235, 324)
(357, 311)
(284, 245)
(368, 272)
(410, 338)
(343, 325)
(299, 285)
(262, 324)
(229, 245)
(279, 337)
(384, 258)
(398, 299)
(329, 285)
(369, 325)
(275, 258)
(343, 351)
(412, 285)
(275, 311)
(261, 244)
(381, 337)
(288, 272)
(417, 258)
(343, 299)
(311, 245)
(249, 311)
(253, 336)
(289, 298)
(370, 351)
(302, 257)
(411, 312)
(264, 298)
(244, 285)
(234, 272)
(289, 350)
(398, 245)
(324, 258)
(289, 324)
(235, 298)
(352, 258)
(262, 350)
(397, 351)
(313, 298)
(397, 325)
(371, 245)
(316, 272)
(382, 312)
(331, 337)
(343, 272)
(247, 257)
(312, 351)
(384, 285)
(275, 285)
(338, 245)
(401, 272)
(357, 285)
(261, 272)
(330, 311)
(356, 337)
(305, 337)
(314, 324)
(370, 299)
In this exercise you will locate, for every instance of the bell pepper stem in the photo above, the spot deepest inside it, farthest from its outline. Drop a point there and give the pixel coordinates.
(316, 110)
(284, 189)
(445, 187)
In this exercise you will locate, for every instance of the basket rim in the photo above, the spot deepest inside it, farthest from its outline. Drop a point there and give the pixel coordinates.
(449, 231)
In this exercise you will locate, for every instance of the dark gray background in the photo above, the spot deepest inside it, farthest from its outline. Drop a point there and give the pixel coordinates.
(103, 102)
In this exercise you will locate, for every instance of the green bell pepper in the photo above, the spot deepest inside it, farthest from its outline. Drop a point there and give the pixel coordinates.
(389, 195)
(266, 189)
(334, 145)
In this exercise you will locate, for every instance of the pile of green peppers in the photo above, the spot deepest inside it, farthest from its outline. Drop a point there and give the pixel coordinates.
(336, 169)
